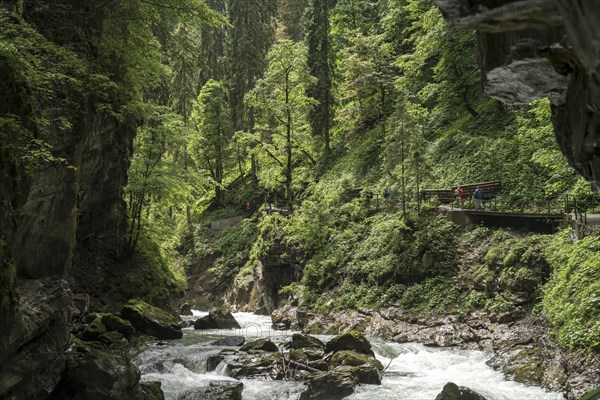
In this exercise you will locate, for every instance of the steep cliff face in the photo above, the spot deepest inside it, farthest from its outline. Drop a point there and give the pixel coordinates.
(531, 49)
(62, 166)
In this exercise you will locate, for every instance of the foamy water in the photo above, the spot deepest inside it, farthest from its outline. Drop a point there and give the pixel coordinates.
(415, 372)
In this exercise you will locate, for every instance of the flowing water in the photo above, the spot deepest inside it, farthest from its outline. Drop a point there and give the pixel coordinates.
(415, 372)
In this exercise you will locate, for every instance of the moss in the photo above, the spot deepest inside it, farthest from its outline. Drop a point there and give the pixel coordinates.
(511, 259)
(493, 256)
(147, 275)
(151, 312)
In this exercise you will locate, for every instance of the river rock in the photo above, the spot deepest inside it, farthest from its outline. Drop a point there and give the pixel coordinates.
(217, 390)
(186, 309)
(453, 392)
(105, 376)
(117, 324)
(288, 317)
(152, 390)
(260, 344)
(151, 321)
(235, 341)
(93, 330)
(301, 341)
(354, 359)
(351, 340)
(39, 327)
(254, 365)
(331, 385)
(217, 319)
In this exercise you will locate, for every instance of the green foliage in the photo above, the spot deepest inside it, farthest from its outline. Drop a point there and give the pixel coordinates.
(571, 297)
(433, 294)
(498, 304)
(149, 274)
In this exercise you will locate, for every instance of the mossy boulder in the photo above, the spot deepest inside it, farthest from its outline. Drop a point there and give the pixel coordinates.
(352, 358)
(301, 341)
(117, 324)
(451, 391)
(217, 390)
(260, 344)
(331, 385)
(351, 340)
(230, 341)
(93, 330)
(112, 338)
(104, 376)
(254, 365)
(217, 319)
(150, 320)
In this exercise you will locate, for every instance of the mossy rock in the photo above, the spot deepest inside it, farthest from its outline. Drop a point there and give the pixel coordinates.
(150, 320)
(301, 341)
(351, 340)
(331, 385)
(217, 319)
(364, 374)
(117, 324)
(112, 338)
(354, 359)
(260, 344)
(93, 330)
(451, 391)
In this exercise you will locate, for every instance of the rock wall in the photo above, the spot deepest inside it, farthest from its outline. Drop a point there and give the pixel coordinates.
(531, 49)
(55, 215)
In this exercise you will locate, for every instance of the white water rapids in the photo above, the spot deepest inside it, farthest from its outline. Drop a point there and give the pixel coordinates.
(415, 373)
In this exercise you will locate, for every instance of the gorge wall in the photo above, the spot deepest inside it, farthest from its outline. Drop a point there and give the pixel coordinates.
(531, 49)
(63, 165)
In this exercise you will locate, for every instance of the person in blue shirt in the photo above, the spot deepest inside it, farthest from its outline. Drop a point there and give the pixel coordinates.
(478, 194)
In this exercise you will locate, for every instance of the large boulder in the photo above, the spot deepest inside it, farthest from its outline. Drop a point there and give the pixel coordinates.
(260, 344)
(354, 359)
(115, 324)
(152, 390)
(452, 391)
(217, 319)
(108, 376)
(151, 321)
(217, 390)
(230, 341)
(331, 385)
(258, 364)
(93, 330)
(301, 341)
(351, 340)
(32, 342)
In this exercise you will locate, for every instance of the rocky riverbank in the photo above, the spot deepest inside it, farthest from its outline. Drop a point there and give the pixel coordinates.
(518, 343)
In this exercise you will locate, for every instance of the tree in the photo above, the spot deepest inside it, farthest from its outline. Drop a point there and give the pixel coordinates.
(251, 37)
(211, 118)
(367, 89)
(320, 64)
(291, 12)
(281, 97)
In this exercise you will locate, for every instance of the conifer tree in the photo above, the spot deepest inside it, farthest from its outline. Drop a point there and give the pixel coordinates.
(319, 62)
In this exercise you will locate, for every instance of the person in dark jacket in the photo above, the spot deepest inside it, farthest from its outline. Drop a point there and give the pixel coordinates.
(478, 194)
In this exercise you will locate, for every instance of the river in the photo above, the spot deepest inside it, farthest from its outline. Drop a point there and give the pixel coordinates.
(416, 372)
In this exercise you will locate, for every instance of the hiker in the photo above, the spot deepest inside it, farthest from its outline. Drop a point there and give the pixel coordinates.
(460, 194)
(478, 194)
(248, 207)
